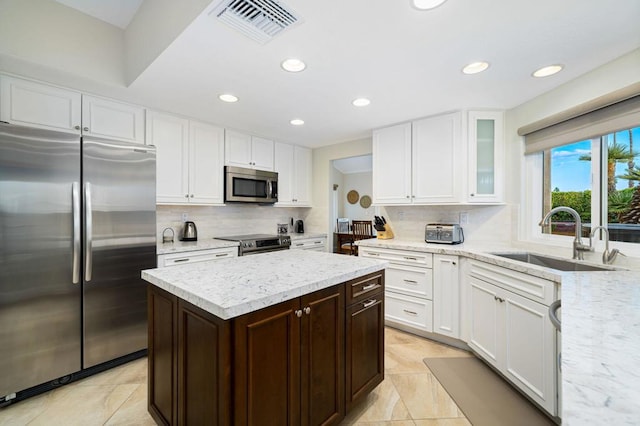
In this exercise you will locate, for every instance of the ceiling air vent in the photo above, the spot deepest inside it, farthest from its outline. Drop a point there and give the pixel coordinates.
(260, 20)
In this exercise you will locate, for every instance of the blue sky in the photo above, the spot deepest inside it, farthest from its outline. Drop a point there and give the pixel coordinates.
(568, 173)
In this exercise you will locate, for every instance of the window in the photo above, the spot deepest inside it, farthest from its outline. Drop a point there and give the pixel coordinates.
(600, 179)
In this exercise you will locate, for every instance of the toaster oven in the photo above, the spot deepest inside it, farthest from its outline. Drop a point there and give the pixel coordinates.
(443, 233)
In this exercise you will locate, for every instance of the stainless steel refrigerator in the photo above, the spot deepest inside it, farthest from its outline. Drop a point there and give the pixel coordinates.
(77, 225)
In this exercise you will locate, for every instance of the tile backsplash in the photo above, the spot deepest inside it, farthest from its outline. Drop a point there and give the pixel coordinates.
(485, 223)
(226, 220)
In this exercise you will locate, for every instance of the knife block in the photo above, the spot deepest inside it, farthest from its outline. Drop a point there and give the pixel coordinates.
(387, 234)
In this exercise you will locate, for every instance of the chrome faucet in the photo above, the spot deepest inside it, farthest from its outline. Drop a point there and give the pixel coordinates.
(578, 247)
(607, 257)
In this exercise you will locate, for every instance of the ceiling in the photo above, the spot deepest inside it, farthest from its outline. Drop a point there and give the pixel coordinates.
(408, 62)
(114, 12)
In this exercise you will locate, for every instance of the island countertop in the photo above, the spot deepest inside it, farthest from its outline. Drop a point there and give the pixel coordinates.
(232, 287)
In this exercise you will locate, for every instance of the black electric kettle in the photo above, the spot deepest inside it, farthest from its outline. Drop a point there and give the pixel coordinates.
(189, 232)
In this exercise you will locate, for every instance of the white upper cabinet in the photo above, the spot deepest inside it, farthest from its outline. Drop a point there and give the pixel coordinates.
(294, 166)
(170, 135)
(418, 162)
(486, 157)
(392, 165)
(430, 161)
(437, 151)
(206, 163)
(112, 119)
(242, 150)
(28, 103)
(189, 160)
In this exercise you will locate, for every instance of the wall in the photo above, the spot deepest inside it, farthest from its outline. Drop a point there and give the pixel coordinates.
(362, 183)
(615, 75)
(227, 220)
(61, 38)
(320, 217)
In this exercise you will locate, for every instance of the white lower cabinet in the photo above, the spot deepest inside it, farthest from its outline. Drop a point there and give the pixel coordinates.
(313, 243)
(408, 287)
(446, 295)
(173, 259)
(512, 332)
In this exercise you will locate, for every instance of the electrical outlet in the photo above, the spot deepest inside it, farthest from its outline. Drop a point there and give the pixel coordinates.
(464, 218)
(185, 216)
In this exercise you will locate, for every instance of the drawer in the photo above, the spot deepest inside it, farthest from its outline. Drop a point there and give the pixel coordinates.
(529, 286)
(362, 288)
(404, 257)
(410, 311)
(410, 280)
(317, 244)
(196, 256)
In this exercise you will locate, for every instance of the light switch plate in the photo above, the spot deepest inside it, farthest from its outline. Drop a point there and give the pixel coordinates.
(464, 218)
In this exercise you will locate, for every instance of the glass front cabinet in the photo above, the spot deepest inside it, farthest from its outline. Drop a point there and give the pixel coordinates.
(486, 157)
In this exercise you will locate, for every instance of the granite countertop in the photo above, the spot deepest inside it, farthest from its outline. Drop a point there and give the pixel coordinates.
(295, 236)
(481, 252)
(212, 243)
(600, 332)
(601, 348)
(201, 244)
(232, 287)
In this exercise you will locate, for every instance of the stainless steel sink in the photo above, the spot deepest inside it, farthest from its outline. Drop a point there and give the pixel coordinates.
(551, 262)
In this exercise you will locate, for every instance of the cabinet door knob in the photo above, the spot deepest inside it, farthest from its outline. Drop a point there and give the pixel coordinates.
(191, 195)
(473, 195)
(86, 129)
(408, 196)
(76, 127)
(298, 313)
(186, 195)
(307, 310)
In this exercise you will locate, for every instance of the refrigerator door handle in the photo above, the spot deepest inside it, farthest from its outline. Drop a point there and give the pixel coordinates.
(88, 233)
(75, 205)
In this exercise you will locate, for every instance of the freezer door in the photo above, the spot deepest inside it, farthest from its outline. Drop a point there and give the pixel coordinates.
(39, 303)
(119, 241)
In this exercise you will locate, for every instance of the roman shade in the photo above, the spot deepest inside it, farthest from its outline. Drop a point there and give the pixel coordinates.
(616, 111)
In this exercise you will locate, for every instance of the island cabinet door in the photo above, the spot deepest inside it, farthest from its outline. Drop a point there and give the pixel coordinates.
(162, 355)
(204, 367)
(267, 366)
(365, 347)
(322, 360)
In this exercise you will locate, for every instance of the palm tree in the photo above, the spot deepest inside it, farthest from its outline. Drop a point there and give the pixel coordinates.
(616, 153)
(633, 215)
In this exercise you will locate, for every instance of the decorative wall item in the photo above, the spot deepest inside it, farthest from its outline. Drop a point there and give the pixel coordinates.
(365, 202)
(353, 196)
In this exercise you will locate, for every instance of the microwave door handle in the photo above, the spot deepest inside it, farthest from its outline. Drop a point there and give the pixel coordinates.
(270, 191)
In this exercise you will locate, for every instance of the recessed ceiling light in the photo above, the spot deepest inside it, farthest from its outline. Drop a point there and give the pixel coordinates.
(297, 122)
(475, 67)
(227, 97)
(360, 102)
(293, 65)
(547, 71)
(426, 4)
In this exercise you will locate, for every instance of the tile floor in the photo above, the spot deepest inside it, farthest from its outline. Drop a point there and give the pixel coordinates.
(409, 396)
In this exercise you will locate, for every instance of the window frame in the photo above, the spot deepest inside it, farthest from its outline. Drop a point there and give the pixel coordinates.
(532, 188)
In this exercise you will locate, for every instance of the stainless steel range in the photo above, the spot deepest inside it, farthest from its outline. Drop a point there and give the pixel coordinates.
(259, 243)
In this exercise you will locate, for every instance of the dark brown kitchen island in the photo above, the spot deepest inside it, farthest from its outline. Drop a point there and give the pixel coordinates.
(301, 350)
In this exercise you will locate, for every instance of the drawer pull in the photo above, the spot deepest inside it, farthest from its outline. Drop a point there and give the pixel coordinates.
(369, 303)
(410, 258)
(317, 242)
(181, 260)
(373, 254)
(410, 312)
(499, 299)
(368, 287)
(222, 254)
(411, 281)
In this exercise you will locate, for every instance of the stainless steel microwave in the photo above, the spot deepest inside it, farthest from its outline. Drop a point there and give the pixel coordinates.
(250, 186)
